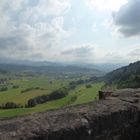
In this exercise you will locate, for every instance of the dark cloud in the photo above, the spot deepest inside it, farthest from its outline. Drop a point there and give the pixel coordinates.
(128, 18)
(82, 51)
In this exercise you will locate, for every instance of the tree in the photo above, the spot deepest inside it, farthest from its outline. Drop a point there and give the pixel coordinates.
(88, 86)
(10, 105)
(31, 103)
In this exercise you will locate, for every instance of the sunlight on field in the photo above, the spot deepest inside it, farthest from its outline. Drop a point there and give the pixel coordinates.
(80, 95)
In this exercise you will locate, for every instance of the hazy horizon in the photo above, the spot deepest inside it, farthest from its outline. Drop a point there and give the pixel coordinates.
(70, 31)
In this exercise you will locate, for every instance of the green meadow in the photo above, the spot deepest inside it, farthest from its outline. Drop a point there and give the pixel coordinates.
(42, 85)
(45, 85)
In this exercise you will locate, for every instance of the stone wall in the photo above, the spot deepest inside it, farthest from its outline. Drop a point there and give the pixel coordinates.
(116, 118)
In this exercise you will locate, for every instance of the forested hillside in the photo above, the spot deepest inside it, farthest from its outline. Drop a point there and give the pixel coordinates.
(125, 77)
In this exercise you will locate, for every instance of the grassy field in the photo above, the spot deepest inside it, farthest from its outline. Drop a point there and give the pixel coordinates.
(45, 85)
(81, 94)
(87, 94)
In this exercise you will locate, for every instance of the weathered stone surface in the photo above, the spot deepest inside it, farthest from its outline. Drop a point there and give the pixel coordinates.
(110, 119)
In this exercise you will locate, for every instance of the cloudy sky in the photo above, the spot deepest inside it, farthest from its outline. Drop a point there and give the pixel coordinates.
(93, 31)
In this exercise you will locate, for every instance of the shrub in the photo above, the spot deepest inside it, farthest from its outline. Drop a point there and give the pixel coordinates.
(15, 86)
(4, 88)
(72, 86)
(10, 105)
(80, 82)
(88, 86)
(41, 99)
(31, 103)
(57, 95)
(73, 99)
(37, 88)
(26, 90)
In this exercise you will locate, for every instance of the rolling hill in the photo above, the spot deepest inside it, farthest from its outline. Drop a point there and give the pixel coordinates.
(53, 69)
(125, 77)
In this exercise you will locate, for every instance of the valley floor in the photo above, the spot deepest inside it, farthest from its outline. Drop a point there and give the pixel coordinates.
(38, 86)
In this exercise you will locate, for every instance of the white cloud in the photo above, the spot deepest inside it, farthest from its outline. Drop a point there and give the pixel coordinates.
(15, 5)
(27, 40)
(25, 31)
(134, 53)
(37, 29)
(94, 27)
(107, 23)
(55, 7)
(113, 5)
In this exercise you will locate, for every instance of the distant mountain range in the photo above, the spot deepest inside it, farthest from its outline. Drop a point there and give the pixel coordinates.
(125, 77)
(105, 67)
(50, 69)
